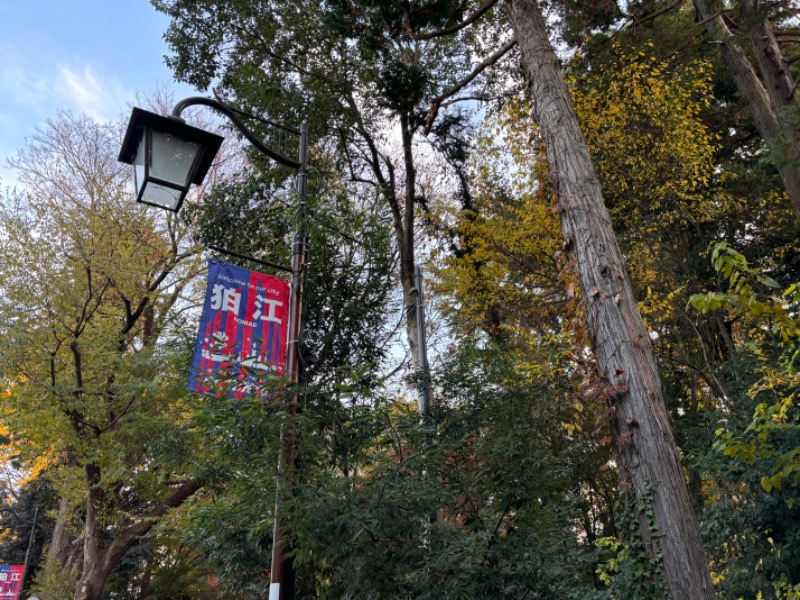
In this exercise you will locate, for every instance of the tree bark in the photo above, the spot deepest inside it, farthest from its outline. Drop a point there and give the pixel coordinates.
(90, 584)
(646, 451)
(755, 95)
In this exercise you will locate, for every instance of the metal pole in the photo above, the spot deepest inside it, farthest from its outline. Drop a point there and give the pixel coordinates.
(282, 582)
(424, 375)
(28, 551)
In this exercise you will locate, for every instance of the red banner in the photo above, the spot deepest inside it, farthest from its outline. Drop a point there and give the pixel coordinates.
(11, 581)
(242, 337)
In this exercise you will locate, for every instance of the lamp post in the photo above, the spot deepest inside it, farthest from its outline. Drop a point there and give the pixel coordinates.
(168, 157)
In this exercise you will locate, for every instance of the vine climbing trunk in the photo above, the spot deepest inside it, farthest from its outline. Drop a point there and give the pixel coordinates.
(646, 451)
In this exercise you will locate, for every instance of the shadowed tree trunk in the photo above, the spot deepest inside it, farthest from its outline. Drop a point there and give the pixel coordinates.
(646, 451)
(57, 552)
(778, 80)
(764, 101)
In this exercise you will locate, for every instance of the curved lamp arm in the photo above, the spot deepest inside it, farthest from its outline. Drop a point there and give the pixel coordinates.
(225, 110)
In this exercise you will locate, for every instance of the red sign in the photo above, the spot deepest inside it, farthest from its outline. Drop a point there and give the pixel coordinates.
(11, 581)
(242, 337)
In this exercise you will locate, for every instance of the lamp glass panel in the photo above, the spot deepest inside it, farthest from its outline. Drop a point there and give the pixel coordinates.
(173, 158)
(161, 195)
(138, 166)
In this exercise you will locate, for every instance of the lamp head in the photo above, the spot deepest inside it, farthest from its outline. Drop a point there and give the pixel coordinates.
(168, 156)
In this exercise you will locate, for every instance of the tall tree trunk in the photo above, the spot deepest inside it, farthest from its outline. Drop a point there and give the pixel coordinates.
(756, 96)
(405, 237)
(90, 584)
(401, 206)
(646, 450)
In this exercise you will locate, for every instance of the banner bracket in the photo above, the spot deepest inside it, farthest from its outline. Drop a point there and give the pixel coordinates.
(266, 263)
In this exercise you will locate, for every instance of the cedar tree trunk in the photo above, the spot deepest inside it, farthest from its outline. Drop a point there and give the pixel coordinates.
(646, 452)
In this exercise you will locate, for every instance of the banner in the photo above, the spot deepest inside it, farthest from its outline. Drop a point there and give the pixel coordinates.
(10, 581)
(242, 336)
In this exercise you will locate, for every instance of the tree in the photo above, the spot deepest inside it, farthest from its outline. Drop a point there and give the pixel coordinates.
(767, 98)
(509, 291)
(646, 451)
(356, 70)
(93, 288)
(26, 526)
(757, 444)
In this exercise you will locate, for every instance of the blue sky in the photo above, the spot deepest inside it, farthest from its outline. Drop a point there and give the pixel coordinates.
(81, 55)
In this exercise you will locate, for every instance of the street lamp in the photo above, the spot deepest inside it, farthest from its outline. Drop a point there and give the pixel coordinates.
(168, 156)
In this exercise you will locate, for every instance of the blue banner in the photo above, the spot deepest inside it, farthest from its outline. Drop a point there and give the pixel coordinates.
(242, 337)
(11, 581)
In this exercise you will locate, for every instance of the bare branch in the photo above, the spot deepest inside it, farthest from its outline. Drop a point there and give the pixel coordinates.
(436, 103)
(658, 13)
(482, 10)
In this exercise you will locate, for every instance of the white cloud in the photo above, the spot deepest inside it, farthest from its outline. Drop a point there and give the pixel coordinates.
(20, 84)
(32, 89)
(84, 90)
